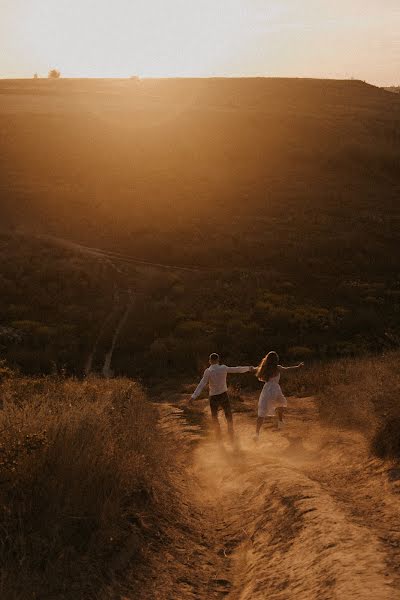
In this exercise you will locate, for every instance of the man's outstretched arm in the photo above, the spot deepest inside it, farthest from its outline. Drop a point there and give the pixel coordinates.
(239, 369)
(203, 382)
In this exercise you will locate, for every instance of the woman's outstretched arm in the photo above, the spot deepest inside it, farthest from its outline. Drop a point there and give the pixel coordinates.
(282, 368)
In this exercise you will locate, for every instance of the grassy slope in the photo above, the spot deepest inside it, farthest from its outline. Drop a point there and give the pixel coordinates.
(293, 181)
(364, 394)
(85, 484)
(53, 303)
(142, 165)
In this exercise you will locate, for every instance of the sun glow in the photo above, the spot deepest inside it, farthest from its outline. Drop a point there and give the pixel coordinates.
(183, 38)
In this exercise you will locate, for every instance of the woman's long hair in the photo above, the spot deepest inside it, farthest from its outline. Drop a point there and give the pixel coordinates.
(268, 367)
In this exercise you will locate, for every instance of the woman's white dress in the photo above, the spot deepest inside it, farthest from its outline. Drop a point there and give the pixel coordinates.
(271, 397)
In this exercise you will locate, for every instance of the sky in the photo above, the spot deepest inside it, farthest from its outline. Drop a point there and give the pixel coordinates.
(169, 38)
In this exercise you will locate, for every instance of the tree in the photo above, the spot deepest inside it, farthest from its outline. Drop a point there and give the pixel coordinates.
(54, 74)
(35, 76)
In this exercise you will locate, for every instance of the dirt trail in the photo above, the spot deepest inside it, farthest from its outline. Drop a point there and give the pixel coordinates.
(115, 258)
(107, 371)
(303, 514)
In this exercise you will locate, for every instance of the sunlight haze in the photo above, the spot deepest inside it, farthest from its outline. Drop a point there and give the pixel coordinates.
(290, 38)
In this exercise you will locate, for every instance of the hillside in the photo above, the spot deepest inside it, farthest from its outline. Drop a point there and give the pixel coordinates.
(58, 307)
(144, 164)
(283, 194)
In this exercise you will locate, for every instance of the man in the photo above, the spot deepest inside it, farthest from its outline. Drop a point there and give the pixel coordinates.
(215, 377)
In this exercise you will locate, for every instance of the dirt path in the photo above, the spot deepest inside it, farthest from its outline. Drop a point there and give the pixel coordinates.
(115, 258)
(107, 371)
(305, 514)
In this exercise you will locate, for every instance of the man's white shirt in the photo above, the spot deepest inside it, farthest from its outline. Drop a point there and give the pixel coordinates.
(215, 376)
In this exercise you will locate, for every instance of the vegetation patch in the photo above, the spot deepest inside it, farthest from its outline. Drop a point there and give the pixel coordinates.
(363, 393)
(85, 476)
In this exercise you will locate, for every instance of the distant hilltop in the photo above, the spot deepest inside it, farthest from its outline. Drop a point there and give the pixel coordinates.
(216, 86)
(395, 89)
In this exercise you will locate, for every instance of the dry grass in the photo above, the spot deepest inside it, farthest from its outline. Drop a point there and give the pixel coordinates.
(83, 470)
(362, 393)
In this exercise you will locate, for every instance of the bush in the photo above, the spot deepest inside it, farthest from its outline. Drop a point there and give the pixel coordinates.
(300, 353)
(5, 371)
(54, 74)
(81, 465)
(386, 441)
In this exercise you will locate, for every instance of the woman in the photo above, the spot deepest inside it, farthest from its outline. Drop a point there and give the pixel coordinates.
(272, 402)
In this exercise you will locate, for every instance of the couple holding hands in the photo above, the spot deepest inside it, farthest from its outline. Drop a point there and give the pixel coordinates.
(271, 403)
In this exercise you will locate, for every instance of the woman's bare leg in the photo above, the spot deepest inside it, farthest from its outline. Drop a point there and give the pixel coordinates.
(279, 414)
(260, 421)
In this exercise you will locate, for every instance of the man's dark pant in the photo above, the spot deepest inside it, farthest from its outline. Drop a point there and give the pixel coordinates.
(217, 402)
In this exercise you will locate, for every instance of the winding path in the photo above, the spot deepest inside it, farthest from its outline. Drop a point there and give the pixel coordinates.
(305, 514)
